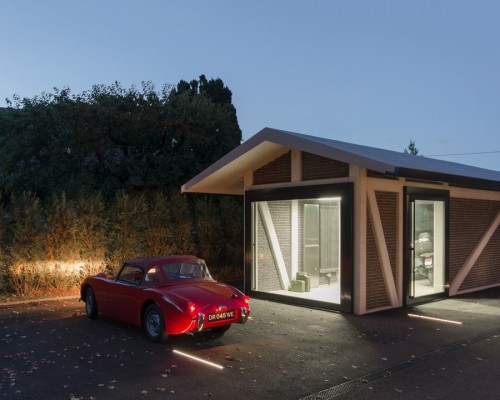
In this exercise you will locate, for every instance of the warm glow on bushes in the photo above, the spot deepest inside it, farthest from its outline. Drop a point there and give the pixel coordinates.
(33, 278)
(65, 268)
(58, 243)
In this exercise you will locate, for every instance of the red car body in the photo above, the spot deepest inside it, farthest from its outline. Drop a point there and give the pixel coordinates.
(166, 295)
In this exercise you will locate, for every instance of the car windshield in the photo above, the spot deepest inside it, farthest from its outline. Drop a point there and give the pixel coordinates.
(160, 274)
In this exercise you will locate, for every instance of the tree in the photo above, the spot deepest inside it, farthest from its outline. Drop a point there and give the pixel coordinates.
(411, 149)
(109, 138)
(202, 126)
(95, 176)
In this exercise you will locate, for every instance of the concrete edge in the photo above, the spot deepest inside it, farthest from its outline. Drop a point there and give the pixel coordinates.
(39, 300)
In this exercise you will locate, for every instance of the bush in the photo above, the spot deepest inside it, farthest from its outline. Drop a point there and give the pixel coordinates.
(35, 279)
(91, 234)
(53, 247)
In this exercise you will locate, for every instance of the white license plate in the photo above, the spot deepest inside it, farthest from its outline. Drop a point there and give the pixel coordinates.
(221, 316)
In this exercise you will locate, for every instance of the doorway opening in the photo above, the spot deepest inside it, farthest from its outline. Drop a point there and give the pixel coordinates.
(426, 260)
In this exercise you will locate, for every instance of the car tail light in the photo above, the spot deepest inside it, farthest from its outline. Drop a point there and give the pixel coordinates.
(191, 308)
(246, 300)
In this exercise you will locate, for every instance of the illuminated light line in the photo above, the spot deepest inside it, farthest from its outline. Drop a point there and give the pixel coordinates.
(198, 359)
(435, 319)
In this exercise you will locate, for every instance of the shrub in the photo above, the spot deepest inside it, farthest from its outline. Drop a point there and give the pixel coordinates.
(126, 229)
(52, 247)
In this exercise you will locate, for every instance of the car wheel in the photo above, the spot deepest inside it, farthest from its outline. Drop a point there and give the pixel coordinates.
(90, 304)
(153, 324)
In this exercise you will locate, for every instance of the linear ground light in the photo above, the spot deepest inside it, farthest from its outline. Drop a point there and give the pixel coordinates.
(435, 319)
(198, 359)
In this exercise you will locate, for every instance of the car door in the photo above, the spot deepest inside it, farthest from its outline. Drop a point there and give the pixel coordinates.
(125, 298)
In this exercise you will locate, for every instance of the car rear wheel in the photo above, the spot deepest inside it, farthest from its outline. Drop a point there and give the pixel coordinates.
(90, 304)
(154, 324)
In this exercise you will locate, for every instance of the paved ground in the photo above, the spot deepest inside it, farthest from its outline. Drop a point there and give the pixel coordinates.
(50, 350)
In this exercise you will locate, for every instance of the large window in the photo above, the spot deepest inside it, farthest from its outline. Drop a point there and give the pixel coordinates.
(297, 248)
(299, 245)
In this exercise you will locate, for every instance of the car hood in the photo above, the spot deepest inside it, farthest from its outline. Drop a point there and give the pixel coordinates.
(206, 295)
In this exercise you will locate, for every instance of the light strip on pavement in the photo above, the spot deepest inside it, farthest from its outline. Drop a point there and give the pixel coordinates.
(198, 359)
(435, 319)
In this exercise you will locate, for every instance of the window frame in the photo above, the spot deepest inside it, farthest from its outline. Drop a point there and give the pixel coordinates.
(342, 190)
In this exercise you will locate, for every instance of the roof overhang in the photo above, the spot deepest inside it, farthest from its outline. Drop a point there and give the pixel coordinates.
(227, 175)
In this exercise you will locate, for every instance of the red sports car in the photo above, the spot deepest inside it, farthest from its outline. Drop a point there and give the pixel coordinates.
(167, 296)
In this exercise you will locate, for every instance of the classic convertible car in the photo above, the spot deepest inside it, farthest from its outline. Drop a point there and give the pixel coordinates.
(167, 295)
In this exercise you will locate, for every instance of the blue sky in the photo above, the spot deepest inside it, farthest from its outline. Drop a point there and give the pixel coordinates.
(378, 73)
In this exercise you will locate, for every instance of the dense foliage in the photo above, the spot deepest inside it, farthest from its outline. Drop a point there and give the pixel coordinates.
(92, 179)
(110, 138)
(53, 246)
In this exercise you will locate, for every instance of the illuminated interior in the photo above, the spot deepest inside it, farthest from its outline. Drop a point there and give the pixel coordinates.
(428, 241)
(296, 248)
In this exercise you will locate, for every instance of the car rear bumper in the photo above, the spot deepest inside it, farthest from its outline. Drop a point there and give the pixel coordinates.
(201, 322)
(241, 319)
(244, 313)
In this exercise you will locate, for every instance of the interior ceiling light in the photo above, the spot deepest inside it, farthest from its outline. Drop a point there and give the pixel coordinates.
(329, 198)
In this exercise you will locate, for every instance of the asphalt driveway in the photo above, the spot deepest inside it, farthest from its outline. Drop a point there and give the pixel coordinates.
(50, 350)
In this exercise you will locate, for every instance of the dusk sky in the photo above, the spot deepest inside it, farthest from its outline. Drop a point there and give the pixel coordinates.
(378, 73)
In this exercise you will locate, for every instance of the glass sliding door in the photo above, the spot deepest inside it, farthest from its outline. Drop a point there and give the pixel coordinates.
(311, 263)
(427, 256)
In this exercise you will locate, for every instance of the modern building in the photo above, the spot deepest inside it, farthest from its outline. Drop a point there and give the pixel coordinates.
(358, 229)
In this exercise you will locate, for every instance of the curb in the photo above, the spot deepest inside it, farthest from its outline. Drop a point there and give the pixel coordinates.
(40, 300)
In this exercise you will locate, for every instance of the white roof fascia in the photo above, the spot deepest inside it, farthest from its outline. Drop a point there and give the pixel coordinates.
(226, 176)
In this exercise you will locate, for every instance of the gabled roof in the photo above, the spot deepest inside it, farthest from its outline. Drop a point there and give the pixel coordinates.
(226, 176)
